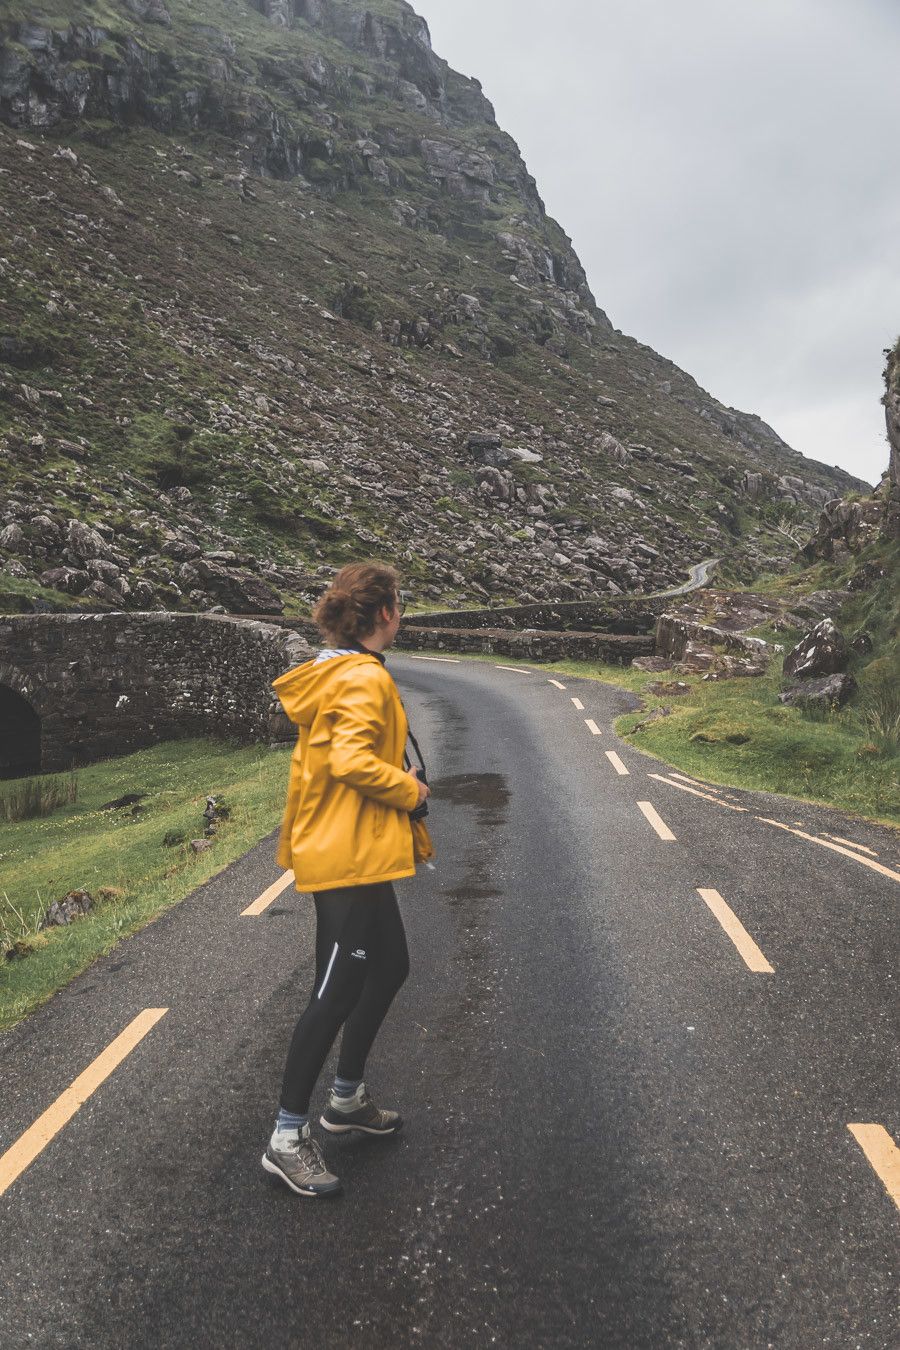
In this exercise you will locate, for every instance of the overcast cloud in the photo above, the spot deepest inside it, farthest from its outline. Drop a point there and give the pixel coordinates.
(729, 175)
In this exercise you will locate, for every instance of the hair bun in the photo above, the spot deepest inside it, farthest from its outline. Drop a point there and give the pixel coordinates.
(349, 609)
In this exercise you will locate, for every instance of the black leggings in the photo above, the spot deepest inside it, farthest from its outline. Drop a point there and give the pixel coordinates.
(361, 962)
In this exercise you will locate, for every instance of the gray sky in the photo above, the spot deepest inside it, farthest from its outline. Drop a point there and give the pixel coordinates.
(728, 172)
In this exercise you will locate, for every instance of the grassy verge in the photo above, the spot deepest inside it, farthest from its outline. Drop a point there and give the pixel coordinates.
(736, 733)
(123, 856)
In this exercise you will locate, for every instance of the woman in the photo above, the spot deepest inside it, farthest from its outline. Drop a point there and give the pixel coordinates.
(348, 836)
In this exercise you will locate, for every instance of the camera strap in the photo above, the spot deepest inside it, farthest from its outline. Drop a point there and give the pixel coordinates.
(407, 762)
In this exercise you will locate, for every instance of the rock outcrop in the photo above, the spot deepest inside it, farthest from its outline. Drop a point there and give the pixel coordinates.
(821, 651)
(892, 418)
(823, 694)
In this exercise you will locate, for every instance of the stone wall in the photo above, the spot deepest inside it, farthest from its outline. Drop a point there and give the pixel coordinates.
(614, 615)
(106, 684)
(546, 645)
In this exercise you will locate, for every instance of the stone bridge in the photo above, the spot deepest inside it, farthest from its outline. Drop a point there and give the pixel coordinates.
(81, 687)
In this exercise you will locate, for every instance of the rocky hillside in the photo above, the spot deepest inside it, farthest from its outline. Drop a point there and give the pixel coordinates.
(277, 290)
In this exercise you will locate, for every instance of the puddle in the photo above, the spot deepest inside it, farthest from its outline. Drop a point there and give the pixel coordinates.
(487, 792)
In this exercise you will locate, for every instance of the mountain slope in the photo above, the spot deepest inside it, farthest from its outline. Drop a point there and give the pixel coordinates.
(264, 275)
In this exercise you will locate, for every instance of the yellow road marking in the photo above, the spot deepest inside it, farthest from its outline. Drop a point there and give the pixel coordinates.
(592, 726)
(695, 792)
(656, 821)
(615, 762)
(698, 783)
(517, 670)
(36, 1138)
(684, 778)
(836, 848)
(753, 957)
(861, 848)
(578, 704)
(453, 660)
(557, 683)
(269, 894)
(883, 1155)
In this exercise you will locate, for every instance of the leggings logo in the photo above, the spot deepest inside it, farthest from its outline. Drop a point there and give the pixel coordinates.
(359, 954)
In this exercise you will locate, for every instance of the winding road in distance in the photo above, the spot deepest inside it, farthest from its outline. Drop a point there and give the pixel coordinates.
(699, 576)
(647, 1059)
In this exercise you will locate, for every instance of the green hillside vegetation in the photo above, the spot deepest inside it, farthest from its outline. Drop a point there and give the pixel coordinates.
(231, 292)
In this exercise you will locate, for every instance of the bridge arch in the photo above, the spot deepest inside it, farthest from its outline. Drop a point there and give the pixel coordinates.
(20, 735)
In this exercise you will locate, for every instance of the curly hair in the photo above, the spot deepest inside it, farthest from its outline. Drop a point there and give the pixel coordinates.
(349, 609)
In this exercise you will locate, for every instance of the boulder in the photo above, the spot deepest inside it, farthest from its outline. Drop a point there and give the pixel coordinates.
(652, 664)
(72, 906)
(72, 580)
(822, 651)
(151, 11)
(45, 533)
(613, 448)
(99, 590)
(12, 537)
(181, 550)
(101, 570)
(83, 543)
(832, 691)
(236, 591)
(754, 485)
(143, 593)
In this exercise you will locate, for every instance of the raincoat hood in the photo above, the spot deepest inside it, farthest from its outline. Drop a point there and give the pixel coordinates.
(302, 690)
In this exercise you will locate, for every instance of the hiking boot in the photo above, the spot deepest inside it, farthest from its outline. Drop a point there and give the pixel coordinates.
(359, 1112)
(299, 1163)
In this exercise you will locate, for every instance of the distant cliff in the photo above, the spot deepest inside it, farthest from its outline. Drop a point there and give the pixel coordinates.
(280, 291)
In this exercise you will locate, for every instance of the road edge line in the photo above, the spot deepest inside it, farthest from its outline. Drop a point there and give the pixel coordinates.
(35, 1139)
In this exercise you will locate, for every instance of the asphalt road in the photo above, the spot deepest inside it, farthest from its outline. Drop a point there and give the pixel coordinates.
(618, 1134)
(699, 576)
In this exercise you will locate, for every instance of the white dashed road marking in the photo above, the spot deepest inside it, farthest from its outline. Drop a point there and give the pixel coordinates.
(517, 670)
(655, 820)
(592, 726)
(557, 683)
(616, 762)
(751, 954)
(578, 704)
(452, 660)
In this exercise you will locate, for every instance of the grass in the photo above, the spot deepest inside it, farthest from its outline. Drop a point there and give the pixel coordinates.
(737, 734)
(30, 797)
(120, 857)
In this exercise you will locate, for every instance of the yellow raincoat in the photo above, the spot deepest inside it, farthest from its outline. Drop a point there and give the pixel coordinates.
(346, 821)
